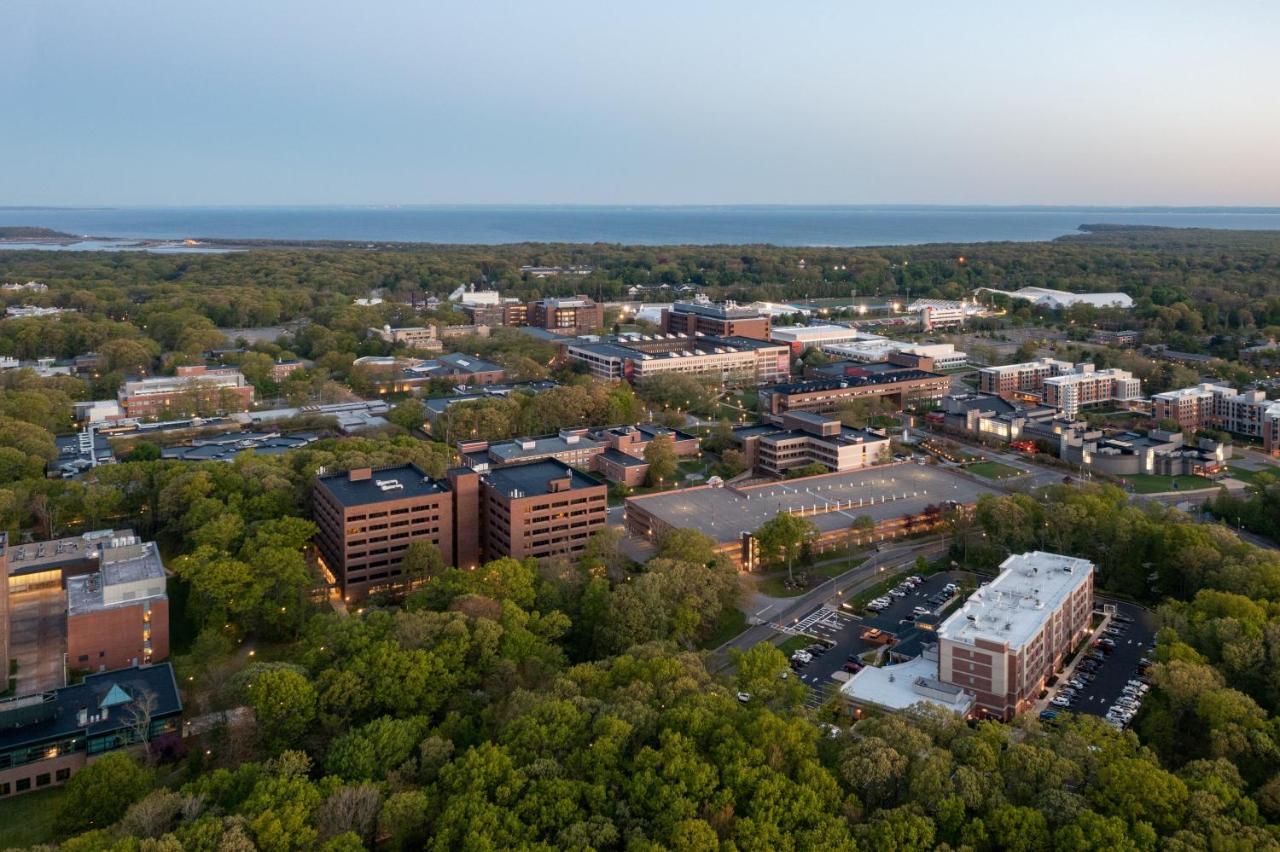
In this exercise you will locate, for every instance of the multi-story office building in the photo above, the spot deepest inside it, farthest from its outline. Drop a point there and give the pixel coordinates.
(1087, 386)
(896, 384)
(723, 320)
(193, 390)
(545, 508)
(801, 438)
(576, 315)
(730, 361)
(575, 447)
(1026, 378)
(118, 616)
(1013, 634)
(366, 520)
(47, 737)
(942, 313)
(1207, 405)
(510, 313)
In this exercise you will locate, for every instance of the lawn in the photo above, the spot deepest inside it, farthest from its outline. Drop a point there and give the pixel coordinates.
(775, 584)
(993, 470)
(794, 643)
(27, 820)
(1250, 476)
(730, 624)
(1145, 483)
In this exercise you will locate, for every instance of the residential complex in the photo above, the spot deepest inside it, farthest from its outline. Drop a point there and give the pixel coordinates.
(47, 737)
(367, 518)
(868, 381)
(1012, 635)
(576, 315)
(193, 389)
(1025, 378)
(722, 320)
(510, 313)
(737, 361)
(1211, 406)
(1087, 386)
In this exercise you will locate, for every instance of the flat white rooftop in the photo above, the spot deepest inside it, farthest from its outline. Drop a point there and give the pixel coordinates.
(1012, 607)
(905, 685)
(797, 333)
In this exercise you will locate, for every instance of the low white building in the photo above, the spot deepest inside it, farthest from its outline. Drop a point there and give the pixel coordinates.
(1058, 299)
(801, 337)
(906, 685)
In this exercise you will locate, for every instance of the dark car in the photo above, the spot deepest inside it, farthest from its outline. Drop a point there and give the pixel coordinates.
(853, 667)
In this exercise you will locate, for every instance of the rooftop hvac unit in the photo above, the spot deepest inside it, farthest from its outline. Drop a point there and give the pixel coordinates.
(389, 484)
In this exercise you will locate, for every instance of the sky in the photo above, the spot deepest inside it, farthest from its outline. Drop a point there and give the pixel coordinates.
(1141, 102)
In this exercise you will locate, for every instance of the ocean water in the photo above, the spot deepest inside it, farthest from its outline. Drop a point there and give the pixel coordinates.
(635, 225)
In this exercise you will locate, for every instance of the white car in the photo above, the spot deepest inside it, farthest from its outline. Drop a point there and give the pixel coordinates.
(744, 697)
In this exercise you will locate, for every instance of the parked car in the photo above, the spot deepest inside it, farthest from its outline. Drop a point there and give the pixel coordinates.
(744, 697)
(1048, 715)
(853, 668)
(1123, 619)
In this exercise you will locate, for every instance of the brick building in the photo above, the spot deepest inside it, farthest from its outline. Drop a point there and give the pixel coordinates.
(118, 616)
(575, 315)
(194, 389)
(801, 438)
(867, 381)
(1087, 386)
(1013, 634)
(367, 519)
(723, 320)
(741, 361)
(545, 508)
(48, 737)
(1025, 378)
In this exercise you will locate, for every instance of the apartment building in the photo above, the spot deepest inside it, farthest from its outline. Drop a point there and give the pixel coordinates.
(544, 508)
(1213, 406)
(1087, 386)
(1013, 634)
(1025, 378)
(47, 737)
(576, 315)
(801, 438)
(866, 381)
(732, 361)
(717, 320)
(118, 616)
(366, 520)
(193, 389)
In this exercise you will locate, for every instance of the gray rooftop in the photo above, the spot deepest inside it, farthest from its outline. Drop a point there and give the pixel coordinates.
(519, 448)
(724, 513)
(46, 555)
(129, 573)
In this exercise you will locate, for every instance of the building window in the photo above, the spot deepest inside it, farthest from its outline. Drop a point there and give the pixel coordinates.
(61, 775)
(23, 785)
(43, 779)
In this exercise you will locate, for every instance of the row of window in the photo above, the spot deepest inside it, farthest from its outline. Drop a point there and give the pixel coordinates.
(43, 779)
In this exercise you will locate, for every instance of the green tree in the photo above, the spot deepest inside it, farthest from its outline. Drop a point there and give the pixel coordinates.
(661, 457)
(782, 537)
(101, 792)
(284, 702)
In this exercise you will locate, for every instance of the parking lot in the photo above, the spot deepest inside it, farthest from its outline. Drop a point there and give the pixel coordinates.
(1116, 669)
(843, 631)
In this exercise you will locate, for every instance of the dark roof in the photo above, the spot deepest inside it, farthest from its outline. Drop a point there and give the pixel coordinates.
(620, 458)
(361, 492)
(743, 432)
(468, 363)
(55, 715)
(530, 480)
(852, 382)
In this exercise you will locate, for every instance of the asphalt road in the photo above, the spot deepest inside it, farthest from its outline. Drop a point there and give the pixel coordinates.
(767, 622)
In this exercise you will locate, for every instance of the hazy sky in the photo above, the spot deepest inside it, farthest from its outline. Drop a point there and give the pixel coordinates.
(852, 101)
